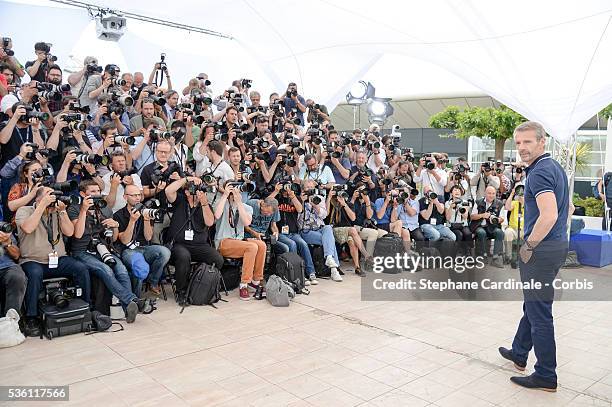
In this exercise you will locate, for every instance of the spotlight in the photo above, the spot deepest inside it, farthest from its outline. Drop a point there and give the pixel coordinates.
(359, 93)
(379, 109)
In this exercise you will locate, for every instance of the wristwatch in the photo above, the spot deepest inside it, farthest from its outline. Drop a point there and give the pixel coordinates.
(529, 246)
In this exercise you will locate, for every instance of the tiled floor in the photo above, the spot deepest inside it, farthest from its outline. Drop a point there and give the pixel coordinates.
(326, 349)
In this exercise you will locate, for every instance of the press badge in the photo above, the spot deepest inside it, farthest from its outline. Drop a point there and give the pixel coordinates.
(53, 260)
(189, 234)
(434, 221)
(285, 230)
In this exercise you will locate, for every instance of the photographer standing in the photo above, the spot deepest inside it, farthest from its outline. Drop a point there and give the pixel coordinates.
(41, 229)
(430, 174)
(94, 233)
(135, 235)
(293, 100)
(515, 205)
(98, 85)
(38, 68)
(486, 224)
(485, 178)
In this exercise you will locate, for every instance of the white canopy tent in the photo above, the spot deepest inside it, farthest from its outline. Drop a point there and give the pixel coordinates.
(547, 60)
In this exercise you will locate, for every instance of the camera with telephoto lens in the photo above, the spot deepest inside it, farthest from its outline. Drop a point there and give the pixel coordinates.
(287, 184)
(208, 177)
(291, 93)
(64, 187)
(494, 219)
(374, 145)
(6, 227)
(431, 195)
(66, 199)
(486, 166)
(341, 191)
(161, 175)
(456, 176)
(95, 159)
(57, 292)
(75, 121)
(51, 91)
(126, 173)
(33, 114)
(519, 190)
(155, 135)
(153, 213)
(100, 203)
(365, 172)
(277, 107)
(461, 168)
(113, 70)
(98, 246)
(123, 99)
(201, 98)
(242, 186)
(129, 140)
(429, 163)
(158, 100)
(315, 196)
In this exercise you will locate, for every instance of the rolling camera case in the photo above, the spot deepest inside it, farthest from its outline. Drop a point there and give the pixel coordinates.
(74, 318)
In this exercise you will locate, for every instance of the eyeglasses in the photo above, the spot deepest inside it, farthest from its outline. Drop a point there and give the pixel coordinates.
(134, 195)
(163, 152)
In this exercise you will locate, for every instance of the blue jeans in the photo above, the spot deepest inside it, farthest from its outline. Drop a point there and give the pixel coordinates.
(536, 328)
(437, 232)
(66, 267)
(157, 256)
(325, 238)
(116, 279)
(295, 243)
(481, 239)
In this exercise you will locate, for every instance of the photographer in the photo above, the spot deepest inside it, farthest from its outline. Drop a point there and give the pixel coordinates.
(316, 112)
(486, 224)
(293, 100)
(334, 158)
(10, 60)
(219, 168)
(117, 180)
(515, 205)
(121, 121)
(485, 178)
(94, 233)
(406, 208)
(23, 126)
(200, 150)
(457, 215)
(135, 234)
(364, 213)
(361, 173)
(319, 173)
(74, 169)
(13, 280)
(383, 207)
(143, 151)
(38, 68)
(138, 127)
(24, 192)
(232, 217)
(429, 173)
(54, 76)
(78, 79)
(265, 216)
(376, 155)
(341, 218)
(432, 217)
(10, 87)
(311, 222)
(188, 233)
(403, 170)
(170, 108)
(98, 85)
(41, 229)
(109, 145)
(459, 176)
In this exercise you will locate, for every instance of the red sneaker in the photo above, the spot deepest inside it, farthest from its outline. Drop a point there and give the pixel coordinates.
(244, 294)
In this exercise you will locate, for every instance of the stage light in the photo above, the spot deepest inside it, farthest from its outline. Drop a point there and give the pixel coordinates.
(360, 93)
(379, 109)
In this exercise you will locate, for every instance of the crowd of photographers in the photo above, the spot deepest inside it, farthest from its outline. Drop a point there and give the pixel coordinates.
(106, 175)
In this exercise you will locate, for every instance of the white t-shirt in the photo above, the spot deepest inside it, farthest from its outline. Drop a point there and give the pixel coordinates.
(120, 201)
(371, 160)
(427, 179)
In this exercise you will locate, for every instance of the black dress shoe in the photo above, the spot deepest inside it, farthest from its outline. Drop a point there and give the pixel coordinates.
(534, 382)
(507, 354)
(31, 327)
(360, 272)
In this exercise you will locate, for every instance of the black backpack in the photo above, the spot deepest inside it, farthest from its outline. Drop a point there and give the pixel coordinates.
(389, 245)
(318, 260)
(203, 288)
(290, 266)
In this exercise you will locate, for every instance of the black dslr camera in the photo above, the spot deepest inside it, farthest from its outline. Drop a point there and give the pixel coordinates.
(161, 175)
(58, 292)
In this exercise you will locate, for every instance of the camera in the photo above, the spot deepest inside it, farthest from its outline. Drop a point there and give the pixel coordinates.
(64, 187)
(51, 91)
(67, 199)
(93, 68)
(113, 70)
(242, 186)
(289, 185)
(97, 246)
(161, 175)
(315, 196)
(127, 173)
(246, 83)
(59, 293)
(6, 41)
(162, 62)
(158, 100)
(366, 172)
(123, 99)
(100, 203)
(117, 82)
(486, 166)
(202, 99)
(75, 121)
(32, 154)
(6, 227)
(153, 213)
(431, 195)
(519, 190)
(208, 177)
(129, 140)
(461, 205)
(155, 135)
(94, 159)
(33, 114)
(429, 164)
(291, 93)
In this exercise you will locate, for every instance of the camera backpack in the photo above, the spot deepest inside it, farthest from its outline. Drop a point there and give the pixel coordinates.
(71, 319)
(203, 287)
(389, 245)
(318, 260)
(290, 266)
(231, 273)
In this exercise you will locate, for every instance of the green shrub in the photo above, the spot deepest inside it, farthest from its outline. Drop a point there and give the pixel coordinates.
(591, 205)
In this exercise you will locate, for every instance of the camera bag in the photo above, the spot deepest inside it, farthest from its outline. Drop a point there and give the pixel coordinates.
(203, 287)
(278, 291)
(72, 319)
(318, 260)
(389, 245)
(290, 266)
(231, 273)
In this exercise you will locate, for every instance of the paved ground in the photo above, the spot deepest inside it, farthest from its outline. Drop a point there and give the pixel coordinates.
(326, 349)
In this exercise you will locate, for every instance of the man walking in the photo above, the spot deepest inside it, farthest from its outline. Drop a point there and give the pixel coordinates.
(540, 257)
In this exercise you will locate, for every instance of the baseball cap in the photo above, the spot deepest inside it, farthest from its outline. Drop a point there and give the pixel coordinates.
(7, 102)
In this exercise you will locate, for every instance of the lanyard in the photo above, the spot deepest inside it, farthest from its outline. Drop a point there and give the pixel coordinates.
(28, 135)
(49, 227)
(233, 218)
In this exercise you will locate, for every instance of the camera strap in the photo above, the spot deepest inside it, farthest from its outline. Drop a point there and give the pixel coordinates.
(49, 227)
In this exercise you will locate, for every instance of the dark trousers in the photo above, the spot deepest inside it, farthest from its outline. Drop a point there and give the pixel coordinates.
(536, 328)
(182, 256)
(482, 234)
(67, 267)
(13, 282)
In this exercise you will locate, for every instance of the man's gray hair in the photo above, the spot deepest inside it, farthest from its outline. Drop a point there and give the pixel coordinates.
(271, 203)
(535, 126)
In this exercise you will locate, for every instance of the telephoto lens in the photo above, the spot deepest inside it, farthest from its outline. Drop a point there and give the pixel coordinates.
(124, 139)
(6, 227)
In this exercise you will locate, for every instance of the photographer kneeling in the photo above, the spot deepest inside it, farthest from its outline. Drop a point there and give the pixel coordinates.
(41, 229)
(486, 224)
(457, 214)
(187, 233)
(232, 216)
(135, 234)
(94, 232)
